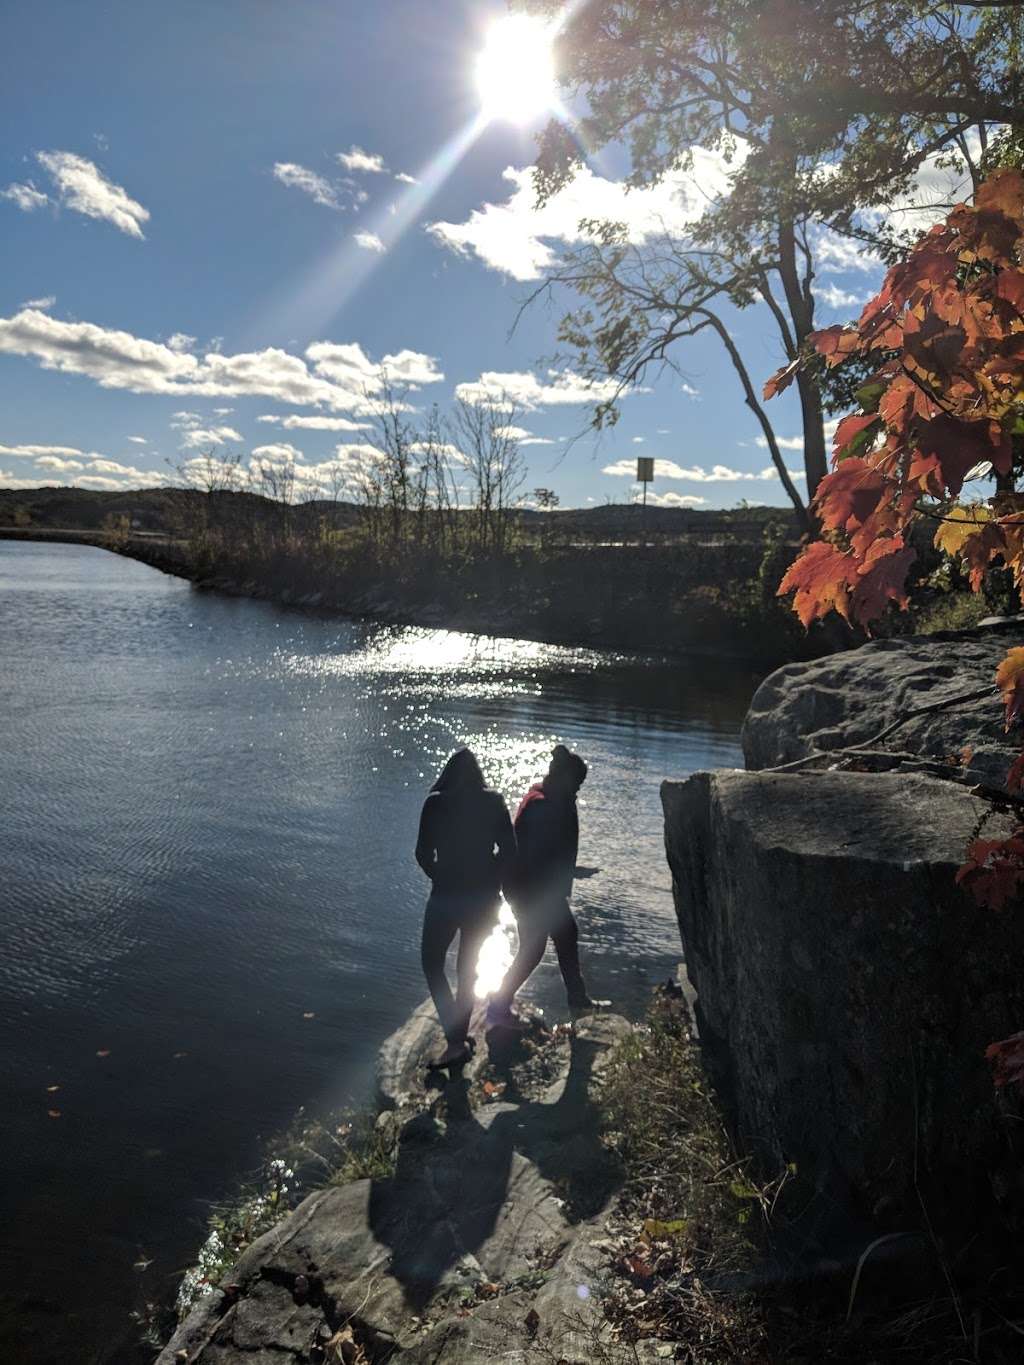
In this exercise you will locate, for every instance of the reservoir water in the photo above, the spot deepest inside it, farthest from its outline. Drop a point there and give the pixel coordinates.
(208, 901)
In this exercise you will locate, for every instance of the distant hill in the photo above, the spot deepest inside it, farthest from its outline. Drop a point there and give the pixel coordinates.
(165, 511)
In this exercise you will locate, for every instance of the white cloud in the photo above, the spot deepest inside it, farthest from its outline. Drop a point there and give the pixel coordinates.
(47, 301)
(32, 451)
(138, 440)
(83, 188)
(27, 197)
(297, 177)
(668, 469)
(222, 412)
(297, 421)
(524, 437)
(181, 342)
(119, 360)
(841, 254)
(638, 440)
(526, 390)
(195, 438)
(282, 452)
(797, 442)
(689, 390)
(7, 480)
(97, 483)
(186, 419)
(405, 178)
(834, 297)
(57, 464)
(355, 159)
(514, 236)
(347, 364)
(369, 241)
(674, 500)
(783, 442)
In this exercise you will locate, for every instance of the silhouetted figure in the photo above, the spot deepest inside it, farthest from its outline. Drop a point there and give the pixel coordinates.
(467, 849)
(547, 833)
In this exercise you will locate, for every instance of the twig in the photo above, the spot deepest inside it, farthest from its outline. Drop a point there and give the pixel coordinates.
(886, 1237)
(865, 747)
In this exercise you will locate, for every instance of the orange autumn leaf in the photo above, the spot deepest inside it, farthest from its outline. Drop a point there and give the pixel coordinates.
(1010, 681)
(819, 580)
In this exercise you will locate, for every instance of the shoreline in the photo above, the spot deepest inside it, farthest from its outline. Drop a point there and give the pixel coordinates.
(381, 604)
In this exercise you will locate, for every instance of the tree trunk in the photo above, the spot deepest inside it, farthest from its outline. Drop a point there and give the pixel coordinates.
(800, 302)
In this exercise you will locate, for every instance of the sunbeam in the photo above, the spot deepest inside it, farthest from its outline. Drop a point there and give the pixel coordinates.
(304, 309)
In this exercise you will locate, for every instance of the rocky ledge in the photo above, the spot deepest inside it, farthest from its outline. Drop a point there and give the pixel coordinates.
(847, 988)
(485, 1242)
(932, 697)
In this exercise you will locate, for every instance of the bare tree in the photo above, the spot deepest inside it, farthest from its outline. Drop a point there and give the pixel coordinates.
(484, 429)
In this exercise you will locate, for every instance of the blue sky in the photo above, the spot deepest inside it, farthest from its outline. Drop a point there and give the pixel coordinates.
(157, 264)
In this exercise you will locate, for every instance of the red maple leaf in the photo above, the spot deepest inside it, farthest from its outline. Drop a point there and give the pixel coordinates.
(847, 497)
(881, 579)
(1007, 1058)
(994, 871)
(1015, 777)
(858, 424)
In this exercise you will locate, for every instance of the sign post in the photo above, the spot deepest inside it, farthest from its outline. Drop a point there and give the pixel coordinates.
(644, 475)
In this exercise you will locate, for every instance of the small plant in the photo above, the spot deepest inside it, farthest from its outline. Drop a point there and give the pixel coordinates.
(233, 1226)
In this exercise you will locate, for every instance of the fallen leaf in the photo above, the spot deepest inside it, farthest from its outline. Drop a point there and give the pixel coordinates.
(532, 1322)
(659, 1229)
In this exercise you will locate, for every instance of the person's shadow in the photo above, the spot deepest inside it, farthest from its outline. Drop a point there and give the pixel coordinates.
(452, 1180)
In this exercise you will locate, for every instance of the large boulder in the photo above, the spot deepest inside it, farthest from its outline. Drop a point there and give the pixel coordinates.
(847, 699)
(846, 986)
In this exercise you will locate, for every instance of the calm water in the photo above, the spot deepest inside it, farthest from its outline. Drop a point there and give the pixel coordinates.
(207, 810)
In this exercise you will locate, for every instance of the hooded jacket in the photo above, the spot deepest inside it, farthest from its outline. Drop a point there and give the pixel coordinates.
(547, 832)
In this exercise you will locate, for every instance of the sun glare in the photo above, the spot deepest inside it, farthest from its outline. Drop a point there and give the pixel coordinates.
(515, 71)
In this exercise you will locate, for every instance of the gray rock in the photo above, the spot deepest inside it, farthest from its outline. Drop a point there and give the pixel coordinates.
(444, 1260)
(847, 699)
(846, 987)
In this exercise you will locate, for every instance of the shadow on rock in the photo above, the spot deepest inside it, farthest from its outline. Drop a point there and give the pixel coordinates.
(492, 1184)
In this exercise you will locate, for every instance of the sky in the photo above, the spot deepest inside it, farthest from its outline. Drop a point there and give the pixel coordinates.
(220, 217)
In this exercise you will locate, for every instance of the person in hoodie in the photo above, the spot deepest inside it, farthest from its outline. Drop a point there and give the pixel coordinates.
(467, 848)
(547, 834)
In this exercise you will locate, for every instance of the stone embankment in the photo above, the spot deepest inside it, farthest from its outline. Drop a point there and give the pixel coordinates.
(847, 987)
(485, 1243)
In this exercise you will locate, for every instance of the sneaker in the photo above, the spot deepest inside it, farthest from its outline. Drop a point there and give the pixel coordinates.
(503, 1016)
(583, 1004)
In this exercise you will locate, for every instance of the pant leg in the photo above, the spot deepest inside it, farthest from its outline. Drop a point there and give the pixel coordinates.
(472, 935)
(565, 935)
(533, 939)
(439, 928)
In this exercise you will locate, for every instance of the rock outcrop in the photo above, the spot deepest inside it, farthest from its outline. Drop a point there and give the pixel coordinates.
(846, 987)
(479, 1246)
(847, 699)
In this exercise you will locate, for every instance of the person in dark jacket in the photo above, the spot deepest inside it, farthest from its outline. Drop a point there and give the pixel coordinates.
(547, 834)
(467, 848)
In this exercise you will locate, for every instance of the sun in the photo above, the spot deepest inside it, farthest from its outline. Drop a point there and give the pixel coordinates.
(515, 71)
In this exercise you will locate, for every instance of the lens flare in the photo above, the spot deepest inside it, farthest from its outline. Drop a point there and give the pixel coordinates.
(515, 72)
(496, 954)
